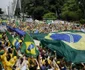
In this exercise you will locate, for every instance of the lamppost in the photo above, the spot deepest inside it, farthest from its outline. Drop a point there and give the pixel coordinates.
(8, 11)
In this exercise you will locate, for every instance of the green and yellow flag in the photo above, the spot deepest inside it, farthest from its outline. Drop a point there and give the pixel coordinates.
(28, 46)
(67, 44)
(14, 42)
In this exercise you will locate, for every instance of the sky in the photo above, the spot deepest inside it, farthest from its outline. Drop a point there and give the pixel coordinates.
(4, 3)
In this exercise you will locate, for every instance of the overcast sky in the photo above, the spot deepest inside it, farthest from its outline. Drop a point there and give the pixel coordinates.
(4, 3)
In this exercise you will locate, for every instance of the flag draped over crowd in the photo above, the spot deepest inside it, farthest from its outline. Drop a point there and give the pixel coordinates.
(70, 45)
(20, 32)
(17, 30)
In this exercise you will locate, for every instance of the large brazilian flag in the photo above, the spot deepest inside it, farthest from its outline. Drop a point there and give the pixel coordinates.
(70, 45)
(28, 47)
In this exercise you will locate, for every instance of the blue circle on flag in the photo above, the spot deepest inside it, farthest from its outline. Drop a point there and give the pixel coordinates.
(30, 47)
(66, 37)
(17, 45)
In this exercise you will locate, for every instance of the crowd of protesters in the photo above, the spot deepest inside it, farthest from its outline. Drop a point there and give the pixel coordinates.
(9, 61)
(34, 27)
(46, 60)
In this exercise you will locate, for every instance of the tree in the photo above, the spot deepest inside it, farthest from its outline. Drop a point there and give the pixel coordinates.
(17, 12)
(49, 15)
(81, 4)
(1, 12)
(65, 9)
(71, 11)
(38, 12)
(37, 8)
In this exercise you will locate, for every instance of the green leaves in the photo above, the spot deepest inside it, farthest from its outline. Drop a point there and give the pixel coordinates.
(37, 8)
(65, 9)
(71, 11)
(49, 15)
(1, 12)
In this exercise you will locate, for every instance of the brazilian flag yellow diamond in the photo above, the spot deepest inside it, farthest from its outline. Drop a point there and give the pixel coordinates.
(30, 48)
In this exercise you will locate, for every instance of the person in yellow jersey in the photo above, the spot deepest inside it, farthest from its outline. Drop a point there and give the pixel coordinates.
(8, 60)
(2, 59)
(13, 60)
(49, 61)
(5, 60)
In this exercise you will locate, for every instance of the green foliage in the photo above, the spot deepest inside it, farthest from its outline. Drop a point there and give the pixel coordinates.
(49, 15)
(71, 11)
(82, 21)
(71, 15)
(37, 8)
(64, 9)
(81, 4)
(38, 12)
(1, 12)
(17, 12)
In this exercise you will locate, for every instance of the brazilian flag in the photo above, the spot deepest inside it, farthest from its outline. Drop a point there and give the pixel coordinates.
(68, 44)
(28, 47)
(14, 42)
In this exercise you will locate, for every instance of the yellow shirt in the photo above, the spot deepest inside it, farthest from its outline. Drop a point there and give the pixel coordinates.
(43, 61)
(10, 64)
(7, 64)
(49, 61)
(3, 59)
(13, 60)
